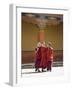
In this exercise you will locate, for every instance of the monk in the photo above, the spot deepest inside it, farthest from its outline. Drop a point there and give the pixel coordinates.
(49, 56)
(43, 63)
(38, 57)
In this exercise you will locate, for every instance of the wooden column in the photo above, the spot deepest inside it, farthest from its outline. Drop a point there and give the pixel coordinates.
(41, 36)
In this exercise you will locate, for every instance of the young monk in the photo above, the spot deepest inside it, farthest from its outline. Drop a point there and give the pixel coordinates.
(43, 63)
(38, 57)
(49, 56)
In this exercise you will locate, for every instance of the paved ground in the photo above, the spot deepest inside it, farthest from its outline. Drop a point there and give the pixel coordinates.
(55, 72)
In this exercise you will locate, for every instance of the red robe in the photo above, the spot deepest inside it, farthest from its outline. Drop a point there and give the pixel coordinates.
(49, 57)
(38, 57)
(43, 63)
(49, 54)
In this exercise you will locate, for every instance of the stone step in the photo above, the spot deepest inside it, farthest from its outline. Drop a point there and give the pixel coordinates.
(31, 65)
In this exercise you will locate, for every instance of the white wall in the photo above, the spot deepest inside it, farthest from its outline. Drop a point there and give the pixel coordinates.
(4, 40)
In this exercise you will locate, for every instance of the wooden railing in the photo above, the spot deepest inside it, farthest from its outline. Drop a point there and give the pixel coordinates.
(29, 56)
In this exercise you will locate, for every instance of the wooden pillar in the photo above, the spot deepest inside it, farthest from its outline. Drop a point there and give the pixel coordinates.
(41, 36)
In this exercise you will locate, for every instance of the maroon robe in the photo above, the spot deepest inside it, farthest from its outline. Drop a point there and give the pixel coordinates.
(38, 57)
(49, 57)
(43, 63)
(49, 54)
